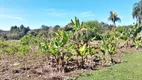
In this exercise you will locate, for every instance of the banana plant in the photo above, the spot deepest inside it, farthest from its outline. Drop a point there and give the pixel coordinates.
(132, 33)
(80, 33)
(76, 23)
(82, 51)
(92, 52)
(56, 46)
(138, 42)
(70, 49)
(135, 30)
(109, 45)
(61, 38)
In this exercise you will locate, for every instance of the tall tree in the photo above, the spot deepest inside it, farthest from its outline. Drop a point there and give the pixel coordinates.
(22, 27)
(44, 27)
(137, 11)
(56, 27)
(93, 26)
(114, 18)
(14, 29)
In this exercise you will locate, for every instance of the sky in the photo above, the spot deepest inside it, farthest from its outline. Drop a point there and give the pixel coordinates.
(34, 13)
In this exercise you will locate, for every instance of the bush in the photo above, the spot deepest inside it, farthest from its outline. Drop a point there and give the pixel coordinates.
(138, 42)
(3, 44)
(2, 39)
(29, 39)
(124, 37)
(22, 50)
(12, 48)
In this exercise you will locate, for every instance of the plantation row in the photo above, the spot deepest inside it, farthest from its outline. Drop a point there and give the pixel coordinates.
(71, 50)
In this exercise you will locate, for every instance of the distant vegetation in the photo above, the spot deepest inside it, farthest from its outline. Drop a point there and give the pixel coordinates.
(16, 33)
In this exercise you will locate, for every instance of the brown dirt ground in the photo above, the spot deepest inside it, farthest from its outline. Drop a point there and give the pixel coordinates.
(34, 67)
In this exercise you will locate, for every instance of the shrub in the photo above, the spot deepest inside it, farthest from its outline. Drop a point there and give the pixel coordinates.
(29, 39)
(22, 50)
(109, 45)
(124, 37)
(10, 50)
(2, 39)
(138, 42)
(9, 47)
(3, 44)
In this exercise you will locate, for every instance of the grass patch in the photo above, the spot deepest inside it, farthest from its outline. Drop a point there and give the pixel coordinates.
(131, 69)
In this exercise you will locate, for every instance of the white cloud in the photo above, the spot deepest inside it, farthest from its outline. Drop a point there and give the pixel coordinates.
(56, 13)
(59, 14)
(66, 13)
(51, 10)
(11, 17)
(86, 14)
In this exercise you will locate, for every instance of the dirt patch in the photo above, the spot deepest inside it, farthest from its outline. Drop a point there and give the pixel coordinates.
(29, 67)
(34, 67)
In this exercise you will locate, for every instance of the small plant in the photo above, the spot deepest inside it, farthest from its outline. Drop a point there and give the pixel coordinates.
(109, 45)
(3, 44)
(22, 50)
(138, 42)
(135, 30)
(82, 52)
(55, 47)
(80, 34)
(29, 39)
(77, 24)
(2, 39)
(11, 48)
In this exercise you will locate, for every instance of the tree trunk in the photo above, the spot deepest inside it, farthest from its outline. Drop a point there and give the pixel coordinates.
(114, 24)
(77, 62)
(82, 63)
(114, 27)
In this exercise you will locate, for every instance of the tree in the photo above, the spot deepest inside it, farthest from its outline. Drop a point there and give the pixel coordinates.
(44, 27)
(24, 30)
(56, 27)
(68, 27)
(14, 29)
(28, 28)
(94, 27)
(114, 18)
(22, 27)
(137, 11)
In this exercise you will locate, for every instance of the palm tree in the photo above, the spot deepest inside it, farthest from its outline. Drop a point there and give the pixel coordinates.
(137, 11)
(114, 18)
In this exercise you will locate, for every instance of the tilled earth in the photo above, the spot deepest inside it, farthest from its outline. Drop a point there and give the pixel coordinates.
(29, 67)
(34, 67)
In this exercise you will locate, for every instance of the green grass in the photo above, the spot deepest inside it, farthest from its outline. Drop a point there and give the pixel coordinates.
(129, 70)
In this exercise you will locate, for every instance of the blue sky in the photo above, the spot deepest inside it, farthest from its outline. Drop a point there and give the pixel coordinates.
(34, 13)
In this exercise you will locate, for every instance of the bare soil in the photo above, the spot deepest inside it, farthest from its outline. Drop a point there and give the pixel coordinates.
(34, 67)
